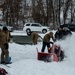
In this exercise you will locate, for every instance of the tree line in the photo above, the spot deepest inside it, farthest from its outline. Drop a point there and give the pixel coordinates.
(47, 12)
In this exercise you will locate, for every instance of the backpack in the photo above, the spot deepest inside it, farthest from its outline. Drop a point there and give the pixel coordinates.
(3, 71)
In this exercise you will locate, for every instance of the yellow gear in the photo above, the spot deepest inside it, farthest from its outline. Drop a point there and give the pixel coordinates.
(49, 48)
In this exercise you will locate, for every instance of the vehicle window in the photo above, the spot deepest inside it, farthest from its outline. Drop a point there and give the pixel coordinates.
(1, 25)
(27, 24)
(66, 25)
(71, 26)
(35, 25)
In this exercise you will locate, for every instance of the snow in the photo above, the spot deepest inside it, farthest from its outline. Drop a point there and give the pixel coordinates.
(24, 58)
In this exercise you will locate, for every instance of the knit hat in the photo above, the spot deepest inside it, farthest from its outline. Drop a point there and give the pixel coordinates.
(51, 33)
(5, 28)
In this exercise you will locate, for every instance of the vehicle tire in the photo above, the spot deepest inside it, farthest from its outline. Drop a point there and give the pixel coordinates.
(44, 31)
(28, 31)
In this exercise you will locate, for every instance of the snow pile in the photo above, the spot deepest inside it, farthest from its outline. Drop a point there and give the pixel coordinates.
(24, 58)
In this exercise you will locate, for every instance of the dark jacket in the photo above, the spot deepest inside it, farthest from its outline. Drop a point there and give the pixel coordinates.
(59, 34)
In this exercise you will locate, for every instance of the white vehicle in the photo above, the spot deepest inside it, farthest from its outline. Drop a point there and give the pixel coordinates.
(9, 27)
(28, 27)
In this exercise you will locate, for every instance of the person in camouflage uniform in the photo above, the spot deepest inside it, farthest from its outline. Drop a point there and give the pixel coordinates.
(35, 37)
(46, 41)
(4, 40)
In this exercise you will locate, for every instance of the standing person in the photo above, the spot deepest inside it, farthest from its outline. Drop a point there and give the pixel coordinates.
(35, 37)
(46, 41)
(59, 33)
(4, 40)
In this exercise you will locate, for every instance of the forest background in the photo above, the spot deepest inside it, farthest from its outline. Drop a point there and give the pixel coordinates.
(50, 13)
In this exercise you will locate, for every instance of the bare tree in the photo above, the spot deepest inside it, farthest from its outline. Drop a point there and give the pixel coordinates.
(46, 12)
(38, 11)
(66, 8)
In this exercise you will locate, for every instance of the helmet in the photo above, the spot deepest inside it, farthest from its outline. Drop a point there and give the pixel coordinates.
(51, 33)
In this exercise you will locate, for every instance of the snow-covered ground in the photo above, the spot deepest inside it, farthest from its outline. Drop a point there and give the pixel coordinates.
(24, 58)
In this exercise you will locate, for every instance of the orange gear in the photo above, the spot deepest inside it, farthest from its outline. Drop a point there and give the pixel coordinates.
(49, 48)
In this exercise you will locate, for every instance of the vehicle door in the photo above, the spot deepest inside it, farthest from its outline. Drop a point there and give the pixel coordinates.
(35, 27)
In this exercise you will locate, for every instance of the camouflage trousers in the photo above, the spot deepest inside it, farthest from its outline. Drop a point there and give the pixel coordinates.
(5, 53)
